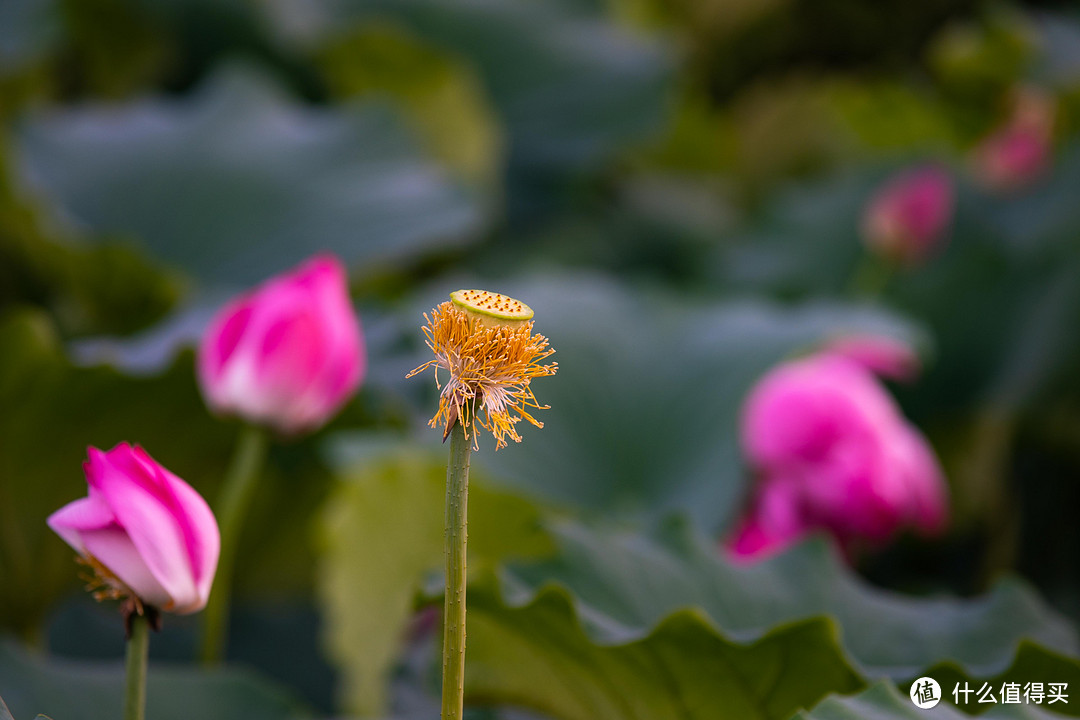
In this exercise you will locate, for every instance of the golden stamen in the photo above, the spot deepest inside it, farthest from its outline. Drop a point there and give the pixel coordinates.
(490, 365)
(103, 585)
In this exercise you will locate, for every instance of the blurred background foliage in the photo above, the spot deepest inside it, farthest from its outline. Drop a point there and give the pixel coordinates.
(676, 186)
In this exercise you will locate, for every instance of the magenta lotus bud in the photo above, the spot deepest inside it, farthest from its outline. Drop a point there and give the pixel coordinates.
(831, 451)
(145, 532)
(882, 355)
(1019, 153)
(288, 354)
(908, 219)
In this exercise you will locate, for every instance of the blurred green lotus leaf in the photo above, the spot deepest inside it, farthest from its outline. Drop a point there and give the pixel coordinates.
(1033, 664)
(28, 29)
(571, 86)
(1058, 38)
(882, 701)
(101, 287)
(238, 181)
(984, 56)
(441, 95)
(539, 656)
(629, 582)
(65, 689)
(697, 636)
(889, 116)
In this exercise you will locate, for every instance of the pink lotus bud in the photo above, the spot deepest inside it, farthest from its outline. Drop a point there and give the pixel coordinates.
(882, 355)
(145, 532)
(831, 450)
(288, 354)
(1020, 152)
(909, 217)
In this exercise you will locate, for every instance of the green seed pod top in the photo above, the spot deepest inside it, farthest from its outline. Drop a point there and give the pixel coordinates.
(492, 308)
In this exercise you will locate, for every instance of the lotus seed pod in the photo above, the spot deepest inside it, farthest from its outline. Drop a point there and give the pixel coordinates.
(492, 309)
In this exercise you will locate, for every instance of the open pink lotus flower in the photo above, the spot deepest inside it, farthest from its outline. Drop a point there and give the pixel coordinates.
(149, 531)
(288, 354)
(831, 451)
(908, 219)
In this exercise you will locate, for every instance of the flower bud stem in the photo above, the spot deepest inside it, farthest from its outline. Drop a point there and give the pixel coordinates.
(138, 650)
(236, 495)
(457, 501)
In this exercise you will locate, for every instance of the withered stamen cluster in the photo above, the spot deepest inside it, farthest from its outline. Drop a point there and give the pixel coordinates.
(103, 585)
(490, 369)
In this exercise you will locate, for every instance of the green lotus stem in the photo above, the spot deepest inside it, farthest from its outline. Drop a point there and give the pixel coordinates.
(236, 495)
(138, 652)
(457, 503)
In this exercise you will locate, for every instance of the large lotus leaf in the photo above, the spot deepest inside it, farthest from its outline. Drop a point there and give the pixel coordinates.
(696, 636)
(151, 351)
(66, 690)
(1039, 219)
(441, 94)
(28, 29)
(237, 181)
(886, 116)
(382, 532)
(571, 86)
(883, 702)
(101, 287)
(271, 633)
(1033, 664)
(539, 656)
(626, 583)
(645, 403)
(1059, 39)
(805, 240)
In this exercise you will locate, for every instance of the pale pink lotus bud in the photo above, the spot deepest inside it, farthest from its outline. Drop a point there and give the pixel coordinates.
(288, 354)
(882, 355)
(830, 450)
(909, 218)
(1020, 152)
(145, 532)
